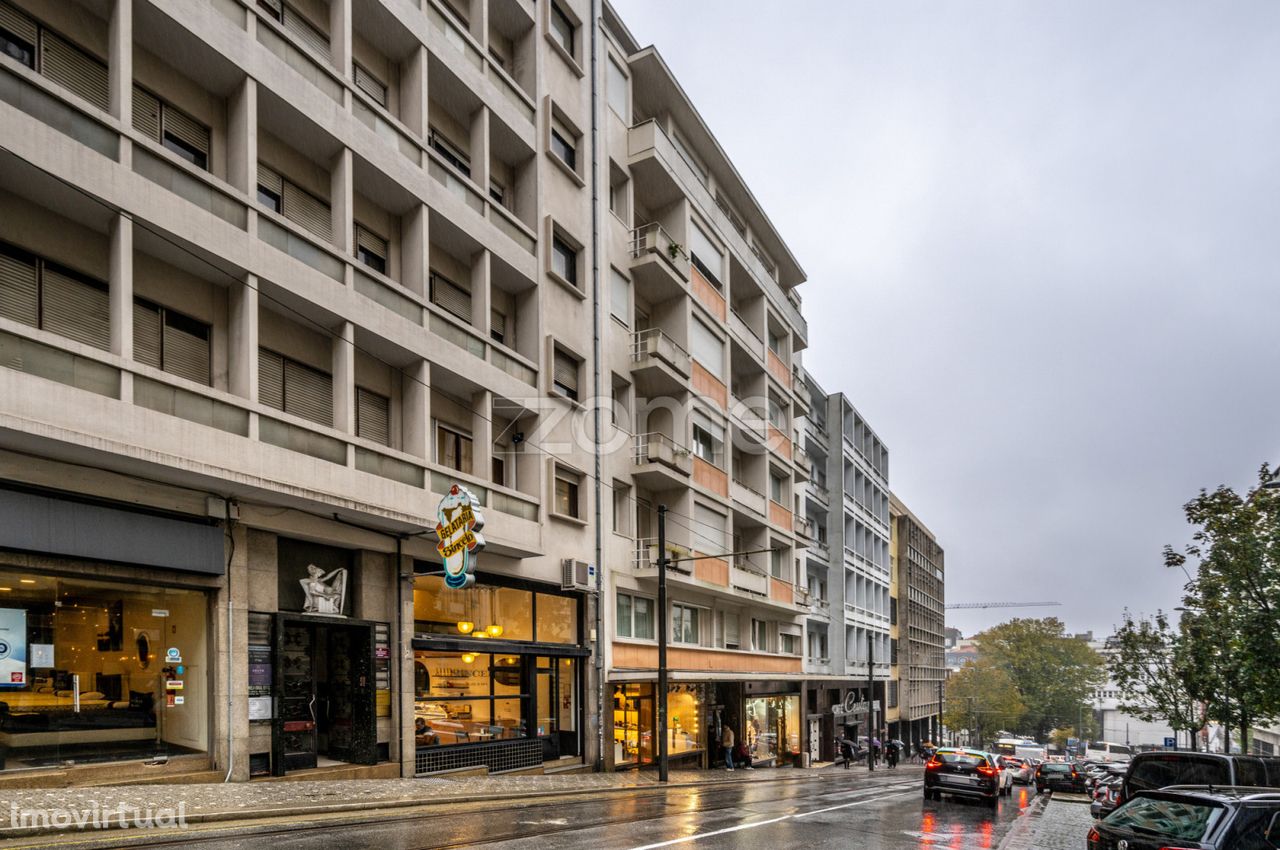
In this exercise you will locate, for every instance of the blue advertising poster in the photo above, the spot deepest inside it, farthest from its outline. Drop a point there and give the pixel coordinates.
(13, 648)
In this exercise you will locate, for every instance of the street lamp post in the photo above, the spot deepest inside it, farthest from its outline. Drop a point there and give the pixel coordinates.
(662, 644)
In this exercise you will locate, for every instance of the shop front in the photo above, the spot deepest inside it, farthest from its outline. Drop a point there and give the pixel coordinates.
(497, 673)
(689, 728)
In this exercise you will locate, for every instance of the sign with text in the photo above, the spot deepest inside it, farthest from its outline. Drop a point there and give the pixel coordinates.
(851, 707)
(458, 527)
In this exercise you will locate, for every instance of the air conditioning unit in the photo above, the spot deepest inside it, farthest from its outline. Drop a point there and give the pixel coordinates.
(577, 575)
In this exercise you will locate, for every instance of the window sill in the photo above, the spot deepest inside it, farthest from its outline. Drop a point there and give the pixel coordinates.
(565, 518)
(577, 178)
(567, 285)
(568, 57)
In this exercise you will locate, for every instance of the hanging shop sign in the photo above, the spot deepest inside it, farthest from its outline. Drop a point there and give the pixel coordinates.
(458, 527)
(13, 647)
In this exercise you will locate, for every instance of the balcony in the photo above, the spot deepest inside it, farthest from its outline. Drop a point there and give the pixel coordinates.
(818, 490)
(750, 498)
(804, 465)
(658, 263)
(645, 560)
(804, 527)
(660, 461)
(659, 366)
(749, 581)
(745, 335)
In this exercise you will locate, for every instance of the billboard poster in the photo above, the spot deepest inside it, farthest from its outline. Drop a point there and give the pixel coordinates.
(13, 648)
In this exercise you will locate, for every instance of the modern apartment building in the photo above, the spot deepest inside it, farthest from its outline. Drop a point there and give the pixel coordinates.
(288, 285)
(920, 616)
(847, 568)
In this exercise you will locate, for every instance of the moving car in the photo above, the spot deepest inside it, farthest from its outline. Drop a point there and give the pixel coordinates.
(1059, 776)
(964, 772)
(1020, 769)
(1149, 771)
(1192, 817)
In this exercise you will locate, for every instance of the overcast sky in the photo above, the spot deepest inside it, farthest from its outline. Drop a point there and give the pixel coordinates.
(1043, 249)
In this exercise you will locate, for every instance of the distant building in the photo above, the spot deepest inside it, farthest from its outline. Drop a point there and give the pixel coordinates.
(918, 613)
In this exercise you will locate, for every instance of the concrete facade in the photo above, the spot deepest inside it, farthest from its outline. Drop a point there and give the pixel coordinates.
(920, 609)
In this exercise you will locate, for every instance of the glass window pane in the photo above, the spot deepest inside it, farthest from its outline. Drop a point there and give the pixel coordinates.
(624, 615)
(512, 610)
(557, 619)
(643, 617)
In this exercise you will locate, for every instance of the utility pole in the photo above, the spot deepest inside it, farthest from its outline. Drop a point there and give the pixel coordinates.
(871, 703)
(938, 742)
(662, 643)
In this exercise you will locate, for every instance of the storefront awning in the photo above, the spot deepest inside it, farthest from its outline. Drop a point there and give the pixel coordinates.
(729, 676)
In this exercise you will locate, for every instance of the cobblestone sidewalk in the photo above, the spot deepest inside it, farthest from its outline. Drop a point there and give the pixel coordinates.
(1059, 825)
(211, 802)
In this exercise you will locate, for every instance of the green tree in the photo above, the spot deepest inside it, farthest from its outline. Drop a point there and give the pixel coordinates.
(981, 698)
(1054, 673)
(1148, 665)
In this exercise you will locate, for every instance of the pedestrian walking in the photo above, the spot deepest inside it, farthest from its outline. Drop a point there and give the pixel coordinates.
(846, 752)
(727, 741)
(892, 754)
(875, 750)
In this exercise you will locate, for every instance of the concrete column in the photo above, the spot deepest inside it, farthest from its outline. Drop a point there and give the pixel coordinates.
(340, 36)
(242, 137)
(403, 672)
(121, 285)
(480, 22)
(229, 703)
(481, 277)
(482, 435)
(416, 410)
(413, 92)
(480, 149)
(342, 201)
(242, 339)
(344, 378)
(120, 61)
(415, 249)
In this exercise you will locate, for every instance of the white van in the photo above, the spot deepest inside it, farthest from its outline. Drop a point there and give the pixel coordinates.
(1104, 751)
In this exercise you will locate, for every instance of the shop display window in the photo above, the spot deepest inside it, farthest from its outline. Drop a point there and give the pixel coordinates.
(635, 722)
(465, 697)
(506, 613)
(773, 727)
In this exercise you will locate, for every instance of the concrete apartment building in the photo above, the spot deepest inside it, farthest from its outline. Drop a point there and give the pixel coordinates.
(286, 284)
(847, 568)
(919, 616)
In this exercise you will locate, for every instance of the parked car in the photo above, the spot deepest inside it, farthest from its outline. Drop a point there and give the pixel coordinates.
(1106, 794)
(1020, 769)
(1058, 776)
(964, 772)
(1196, 817)
(1149, 771)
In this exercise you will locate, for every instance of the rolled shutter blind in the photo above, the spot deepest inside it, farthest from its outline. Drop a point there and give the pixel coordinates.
(307, 210)
(270, 379)
(270, 180)
(18, 24)
(308, 393)
(731, 629)
(19, 293)
(451, 297)
(373, 416)
(64, 63)
(75, 309)
(186, 348)
(369, 84)
(306, 32)
(186, 129)
(566, 371)
(274, 7)
(146, 113)
(498, 324)
(146, 335)
(371, 241)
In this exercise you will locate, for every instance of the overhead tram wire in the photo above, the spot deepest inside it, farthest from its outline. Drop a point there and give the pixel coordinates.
(159, 234)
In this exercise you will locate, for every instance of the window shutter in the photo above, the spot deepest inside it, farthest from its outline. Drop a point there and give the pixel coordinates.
(270, 180)
(19, 293)
(566, 371)
(707, 348)
(18, 23)
(706, 253)
(308, 393)
(146, 113)
(186, 348)
(732, 636)
(307, 210)
(306, 32)
(75, 309)
(369, 84)
(146, 334)
(274, 7)
(620, 295)
(183, 127)
(498, 326)
(450, 296)
(270, 379)
(64, 63)
(373, 416)
(371, 241)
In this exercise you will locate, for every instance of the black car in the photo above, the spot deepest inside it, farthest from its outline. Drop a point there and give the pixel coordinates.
(968, 773)
(1148, 771)
(1059, 776)
(1192, 818)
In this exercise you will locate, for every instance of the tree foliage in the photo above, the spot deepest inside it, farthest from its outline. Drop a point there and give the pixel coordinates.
(1148, 665)
(1054, 673)
(982, 698)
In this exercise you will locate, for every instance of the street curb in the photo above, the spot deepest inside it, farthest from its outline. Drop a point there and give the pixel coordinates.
(382, 805)
(1019, 838)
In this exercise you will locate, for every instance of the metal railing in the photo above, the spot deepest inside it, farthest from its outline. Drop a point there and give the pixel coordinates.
(655, 447)
(652, 342)
(653, 238)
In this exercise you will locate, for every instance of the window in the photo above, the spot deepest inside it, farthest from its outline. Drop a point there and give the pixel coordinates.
(708, 349)
(705, 255)
(565, 374)
(42, 50)
(777, 343)
(498, 327)
(621, 508)
(373, 416)
(620, 297)
(449, 296)
(499, 465)
(298, 26)
(563, 31)
(710, 531)
(371, 249)
(567, 490)
(563, 148)
(684, 623)
(620, 410)
(296, 204)
(46, 295)
(616, 83)
(564, 261)
(787, 644)
(170, 341)
(778, 562)
(619, 185)
(498, 193)
(451, 153)
(171, 127)
(777, 414)
(708, 439)
(635, 616)
(295, 388)
(687, 156)
(369, 84)
(777, 488)
(18, 36)
(759, 635)
(732, 635)
(453, 449)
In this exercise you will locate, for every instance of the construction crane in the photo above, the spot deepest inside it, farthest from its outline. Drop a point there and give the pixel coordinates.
(1002, 604)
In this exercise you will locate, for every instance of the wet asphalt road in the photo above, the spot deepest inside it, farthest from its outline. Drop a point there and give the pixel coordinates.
(828, 810)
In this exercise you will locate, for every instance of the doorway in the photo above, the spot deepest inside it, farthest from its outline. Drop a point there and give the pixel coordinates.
(324, 690)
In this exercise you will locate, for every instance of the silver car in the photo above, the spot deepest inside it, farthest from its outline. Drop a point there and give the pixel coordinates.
(1019, 769)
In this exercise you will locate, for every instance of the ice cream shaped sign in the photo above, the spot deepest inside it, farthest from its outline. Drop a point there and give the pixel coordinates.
(458, 527)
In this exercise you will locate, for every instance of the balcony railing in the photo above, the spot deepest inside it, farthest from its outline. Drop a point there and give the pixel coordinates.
(656, 344)
(646, 555)
(653, 238)
(655, 447)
